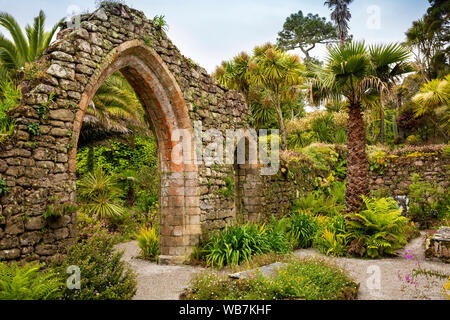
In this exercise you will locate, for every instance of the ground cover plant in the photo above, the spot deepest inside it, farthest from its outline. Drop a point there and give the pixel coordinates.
(309, 279)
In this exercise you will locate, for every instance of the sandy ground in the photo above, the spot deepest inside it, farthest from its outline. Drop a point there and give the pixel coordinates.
(379, 279)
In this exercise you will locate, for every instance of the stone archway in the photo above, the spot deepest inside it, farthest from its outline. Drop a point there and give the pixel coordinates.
(163, 101)
(176, 93)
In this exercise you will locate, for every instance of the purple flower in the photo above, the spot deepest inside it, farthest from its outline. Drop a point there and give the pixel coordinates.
(408, 254)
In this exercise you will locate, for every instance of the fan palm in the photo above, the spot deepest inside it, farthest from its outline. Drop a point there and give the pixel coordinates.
(351, 71)
(98, 190)
(389, 62)
(340, 16)
(14, 54)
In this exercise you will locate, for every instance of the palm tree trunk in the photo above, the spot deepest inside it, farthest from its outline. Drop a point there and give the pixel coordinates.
(382, 123)
(357, 166)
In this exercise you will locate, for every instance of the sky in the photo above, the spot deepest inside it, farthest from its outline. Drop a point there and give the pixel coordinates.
(211, 31)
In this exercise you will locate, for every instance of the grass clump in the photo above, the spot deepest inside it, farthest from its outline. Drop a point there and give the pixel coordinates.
(236, 244)
(148, 241)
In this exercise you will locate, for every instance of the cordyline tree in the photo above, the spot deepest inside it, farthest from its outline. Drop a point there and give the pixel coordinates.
(351, 71)
(271, 73)
(305, 32)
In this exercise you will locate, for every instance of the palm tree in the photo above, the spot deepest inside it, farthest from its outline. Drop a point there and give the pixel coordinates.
(236, 74)
(434, 99)
(351, 72)
(115, 111)
(341, 16)
(280, 74)
(389, 62)
(23, 49)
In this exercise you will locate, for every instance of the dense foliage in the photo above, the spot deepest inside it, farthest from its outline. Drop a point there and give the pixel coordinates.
(104, 276)
(428, 204)
(29, 283)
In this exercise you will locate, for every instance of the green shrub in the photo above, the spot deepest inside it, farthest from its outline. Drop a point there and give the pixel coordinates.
(236, 244)
(92, 227)
(28, 283)
(309, 279)
(378, 230)
(103, 275)
(98, 191)
(328, 200)
(148, 240)
(332, 239)
(278, 236)
(427, 204)
(323, 156)
(303, 229)
(446, 151)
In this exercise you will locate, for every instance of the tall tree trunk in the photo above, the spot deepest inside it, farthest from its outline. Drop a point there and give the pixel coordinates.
(130, 196)
(281, 123)
(91, 159)
(357, 166)
(382, 123)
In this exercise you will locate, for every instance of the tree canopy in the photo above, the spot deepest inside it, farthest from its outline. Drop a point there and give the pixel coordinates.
(305, 32)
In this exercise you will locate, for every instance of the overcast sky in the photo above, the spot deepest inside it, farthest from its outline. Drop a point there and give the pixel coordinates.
(210, 31)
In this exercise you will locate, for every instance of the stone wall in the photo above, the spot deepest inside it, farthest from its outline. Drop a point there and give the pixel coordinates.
(39, 165)
(294, 179)
(429, 162)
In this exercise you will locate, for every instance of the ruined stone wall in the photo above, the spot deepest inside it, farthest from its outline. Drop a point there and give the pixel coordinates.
(38, 166)
(294, 179)
(429, 162)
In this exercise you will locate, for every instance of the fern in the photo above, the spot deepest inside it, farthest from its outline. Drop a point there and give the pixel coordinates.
(28, 283)
(380, 229)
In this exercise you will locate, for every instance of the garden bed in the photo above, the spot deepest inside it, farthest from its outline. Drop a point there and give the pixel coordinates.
(307, 279)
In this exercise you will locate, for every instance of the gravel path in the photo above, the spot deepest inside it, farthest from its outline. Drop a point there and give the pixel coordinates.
(157, 282)
(390, 286)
